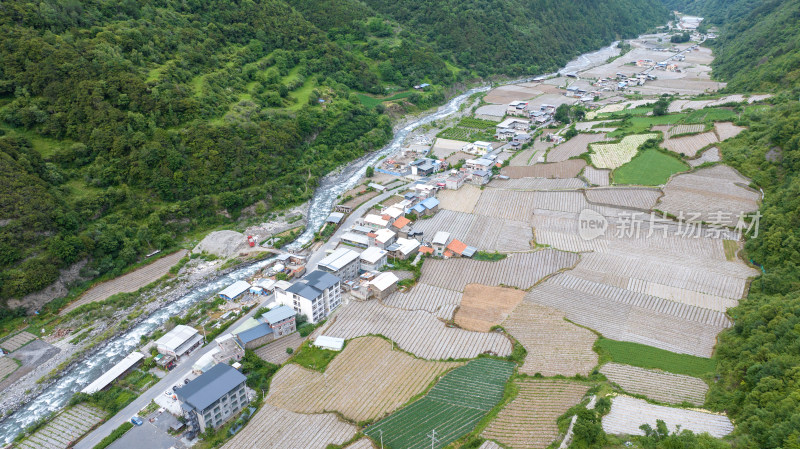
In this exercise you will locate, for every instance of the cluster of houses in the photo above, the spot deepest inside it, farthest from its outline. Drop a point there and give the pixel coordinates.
(540, 115)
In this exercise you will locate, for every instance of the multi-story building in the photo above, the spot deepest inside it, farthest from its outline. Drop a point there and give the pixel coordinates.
(213, 397)
(315, 296)
(343, 263)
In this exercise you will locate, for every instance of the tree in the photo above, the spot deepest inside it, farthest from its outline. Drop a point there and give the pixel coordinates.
(661, 107)
(562, 114)
(370, 171)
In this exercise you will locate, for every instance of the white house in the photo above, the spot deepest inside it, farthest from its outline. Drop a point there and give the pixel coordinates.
(179, 341)
(440, 240)
(373, 258)
(315, 296)
(478, 148)
(234, 290)
(403, 248)
(384, 238)
(375, 221)
(342, 263)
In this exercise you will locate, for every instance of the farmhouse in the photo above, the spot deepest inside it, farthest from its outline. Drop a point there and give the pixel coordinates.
(375, 221)
(272, 325)
(315, 296)
(425, 166)
(125, 366)
(228, 349)
(342, 263)
(355, 239)
(480, 177)
(373, 258)
(478, 148)
(520, 139)
(384, 238)
(479, 164)
(234, 290)
(455, 180)
(428, 206)
(213, 397)
(383, 285)
(518, 107)
(179, 341)
(401, 226)
(403, 248)
(457, 248)
(440, 240)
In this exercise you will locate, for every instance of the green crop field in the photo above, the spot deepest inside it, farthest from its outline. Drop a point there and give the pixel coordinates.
(470, 129)
(452, 408)
(649, 168)
(649, 357)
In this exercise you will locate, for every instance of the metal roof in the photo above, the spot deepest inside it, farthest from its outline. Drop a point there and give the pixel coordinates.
(384, 280)
(441, 238)
(430, 203)
(111, 375)
(176, 337)
(255, 333)
(332, 343)
(278, 314)
(469, 252)
(235, 289)
(373, 254)
(313, 284)
(210, 386)
(335, 217)
(339, 259)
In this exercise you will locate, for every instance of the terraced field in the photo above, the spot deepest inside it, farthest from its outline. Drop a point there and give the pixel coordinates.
(555, 346)
(275, 352)
(657, 385)
(719, 194)
(538, 184)
(521, 205)
(628, 413)
(573, 147)
(633, 198)
(461, 200)
(367, 380)
(505, 235)
(7, 366)
(489, 445)
(598, 177)
(17, 341)
(296, 431)
(690, 145)
(521, 270)
(671, 131)
(452, 408)
(613, 155)
(529, 421)
(563, 170)
(727, 130)
(483, 307)
(710, 155)
(363, 443)
(436, 300)
(417, 332)
(65, 428)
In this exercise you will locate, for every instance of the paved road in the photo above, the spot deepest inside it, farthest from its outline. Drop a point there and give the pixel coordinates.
(166, 383)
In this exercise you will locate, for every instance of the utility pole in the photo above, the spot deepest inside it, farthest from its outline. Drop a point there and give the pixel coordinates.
(433, 438)
(381, 433)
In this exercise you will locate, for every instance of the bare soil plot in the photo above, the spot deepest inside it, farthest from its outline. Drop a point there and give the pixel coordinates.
(360, 199)
(275, 352)
(613, 155)
(7, 366)
(538, 184)
(529, 421)
(681, 86)
(17, 341)
(296, 431)
(453, 159)
(446, 147)
(494, 112)
(521, 270)
(555, 346)
(507, 94)
(129, 282)
(573, 147)
(366, 381)
(483, 307)
(727, 130)
(523, 157)
(417, 332)
(461, 200)
(657, 385)
(65, 428)
(628, 413)
(436, 300)
(719, 194)
(710, 155)
(690, 145)
(565, 169)
(598, 177)
(627, 197)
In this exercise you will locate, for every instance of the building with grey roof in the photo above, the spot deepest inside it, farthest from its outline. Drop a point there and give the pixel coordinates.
(343, 263)
(213, 398)
(315, 296)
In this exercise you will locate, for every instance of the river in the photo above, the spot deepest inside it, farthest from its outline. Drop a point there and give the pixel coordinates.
(58, 394)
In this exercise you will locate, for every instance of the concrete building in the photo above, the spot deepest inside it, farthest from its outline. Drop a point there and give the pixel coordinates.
(343, 263)
(271, 326)
(373, 258)
(455, 181)
(179, 341)
(375, 221)
(384, 238)
(229, 349)
(355, 239)
(403, 248)
(213, 398)
(315, 296)
(440, 241)
(383, 285)
(234, 290)
(402, 226)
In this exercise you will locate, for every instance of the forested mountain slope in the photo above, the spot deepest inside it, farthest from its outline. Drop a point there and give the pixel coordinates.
(125, 124)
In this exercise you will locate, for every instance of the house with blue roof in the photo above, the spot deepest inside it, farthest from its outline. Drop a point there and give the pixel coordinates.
(272, 325)
(428, 206)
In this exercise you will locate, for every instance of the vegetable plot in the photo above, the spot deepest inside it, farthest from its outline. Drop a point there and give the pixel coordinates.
(613, 155)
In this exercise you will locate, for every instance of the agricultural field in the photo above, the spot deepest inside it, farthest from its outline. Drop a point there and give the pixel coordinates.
(670, 131)
(644, 356)
(17, 341)
(7, 366)
(366, 381)
(417, 332)
(555, 346)
(690, 145)
(461, 200)
(613, 155)
(633, 198)
(129, 282)
(657, 385)
(363, 443)
(573, 147)
(436, 300)
(483, 307)
(446, 147)
(506, 94)
(452, 408)
(506, 235)
(719, 194)
(597, 177)
(727, 130)
(521, 205)
(529, 421)
(296, 430)
(650, 167)
(628, 413)
(489, 444)
(565, 169)
(275, 352)
(710, 155)
(64, 429)
(521, 270)
(470, 129)
(538, 184)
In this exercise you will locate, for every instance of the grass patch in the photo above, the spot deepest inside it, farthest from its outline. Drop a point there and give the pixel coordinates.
(490, 257)
(649, 168)
(711, 115)
(371, 102)
(114, 436)
(636, 125)
(649, 357)
(730, 246)
(302, 94)
(312, 357)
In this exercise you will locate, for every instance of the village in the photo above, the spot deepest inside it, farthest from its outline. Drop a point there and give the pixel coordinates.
(467, 243)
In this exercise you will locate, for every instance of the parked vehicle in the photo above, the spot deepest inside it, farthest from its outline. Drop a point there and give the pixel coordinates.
(137, 421)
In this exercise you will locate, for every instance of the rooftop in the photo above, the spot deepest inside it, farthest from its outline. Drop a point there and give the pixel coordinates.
(384, 235)
(254, 333)
(210, 386)
(401, 222)
(278, 314)
(384, 280)
(339, 259)
(176, 337)
(429, 203)
(373, 254)
(235, 289)
(313, 284)
(332, 343)
(109, 376)
(406, 246)
(375, 220)
(457, 246)
(441, 238)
